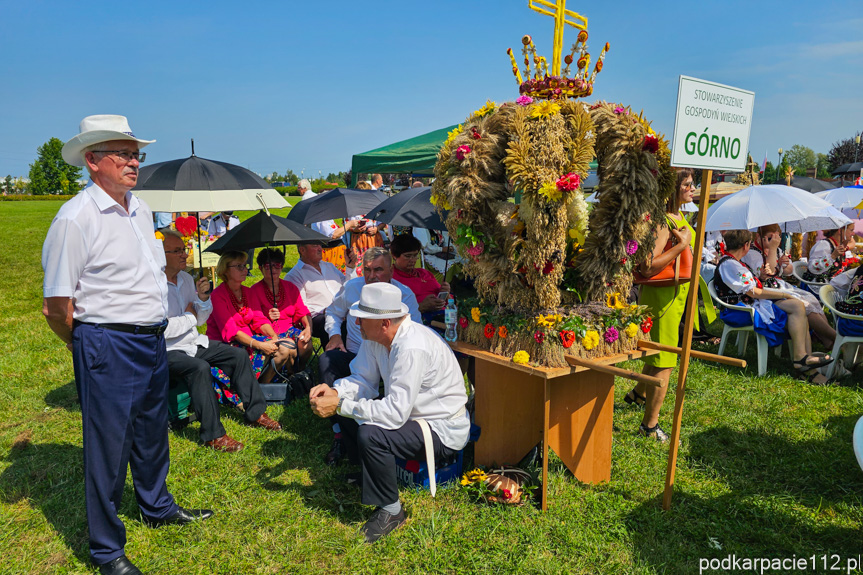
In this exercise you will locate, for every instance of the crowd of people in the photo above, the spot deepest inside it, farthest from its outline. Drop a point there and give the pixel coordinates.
(124, 303)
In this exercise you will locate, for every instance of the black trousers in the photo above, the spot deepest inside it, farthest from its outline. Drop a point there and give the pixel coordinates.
(318, 330)
(335, 364)
(195, 372)
(377, 449)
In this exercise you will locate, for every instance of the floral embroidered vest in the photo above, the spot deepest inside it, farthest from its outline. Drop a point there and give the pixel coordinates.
(725, 293)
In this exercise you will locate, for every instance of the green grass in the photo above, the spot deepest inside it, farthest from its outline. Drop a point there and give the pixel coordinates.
(766, 470)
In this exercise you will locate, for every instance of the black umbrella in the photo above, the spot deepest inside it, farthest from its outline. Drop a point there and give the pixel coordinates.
(336, 203)
(265, 229)
(845, 169)
(411, 207)
(811, 185)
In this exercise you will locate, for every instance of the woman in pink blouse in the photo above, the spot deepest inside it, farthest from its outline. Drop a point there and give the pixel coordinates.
(285, 309)
(405, 250)
(235, 321)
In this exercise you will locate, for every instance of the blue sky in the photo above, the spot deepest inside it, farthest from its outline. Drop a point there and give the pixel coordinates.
(305, 85)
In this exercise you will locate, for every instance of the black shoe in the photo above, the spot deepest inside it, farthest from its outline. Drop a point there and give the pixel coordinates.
(336, 453)
(119, 566)
(181, 517)
(381, 523)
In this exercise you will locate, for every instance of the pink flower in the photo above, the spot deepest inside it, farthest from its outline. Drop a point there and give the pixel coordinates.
(568, 182)
(631, 247)
(620, 110)
(476, 250)
(524, 100)
(611, 335)
(462, 151)
(539, 337)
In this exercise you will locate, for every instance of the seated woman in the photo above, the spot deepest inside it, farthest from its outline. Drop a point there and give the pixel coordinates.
(234, 321)
(405, 250)
(736, 284)
(849, 291)
(827, 256)
(769, 264)
(290, 317)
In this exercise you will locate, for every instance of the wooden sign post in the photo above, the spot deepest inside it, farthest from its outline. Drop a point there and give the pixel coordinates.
(711, 131)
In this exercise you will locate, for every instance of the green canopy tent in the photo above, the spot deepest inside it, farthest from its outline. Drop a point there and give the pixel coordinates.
(415, 155)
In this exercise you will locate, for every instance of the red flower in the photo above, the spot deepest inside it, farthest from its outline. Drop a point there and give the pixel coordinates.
(549, 267)
(476, 135)
(622, 261)
(646, 325)
(539, 337)
(646, 217)
(568, 182)
(506, 494)
(567, 338)
(651, 144)
(462, 322)
(489, 331)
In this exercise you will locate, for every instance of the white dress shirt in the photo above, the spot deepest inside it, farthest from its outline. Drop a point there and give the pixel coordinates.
(349, 295)
(107, 259)
(422, 380)
(317, 288)
(326, 227)
(182, 333)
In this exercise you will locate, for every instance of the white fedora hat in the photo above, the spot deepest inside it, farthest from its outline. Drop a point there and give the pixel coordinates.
(379, 301)
(96, 129)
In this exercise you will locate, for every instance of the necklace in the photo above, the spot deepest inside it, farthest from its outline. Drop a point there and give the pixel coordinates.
(238, 305)
(281, 298)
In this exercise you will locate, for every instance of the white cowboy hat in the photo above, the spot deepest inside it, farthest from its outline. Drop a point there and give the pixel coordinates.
(379, 301)
(97, 129)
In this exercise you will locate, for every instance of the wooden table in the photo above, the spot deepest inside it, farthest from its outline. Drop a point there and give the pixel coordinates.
(568, 409)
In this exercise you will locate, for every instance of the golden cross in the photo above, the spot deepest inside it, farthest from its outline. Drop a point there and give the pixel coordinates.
(558, 11)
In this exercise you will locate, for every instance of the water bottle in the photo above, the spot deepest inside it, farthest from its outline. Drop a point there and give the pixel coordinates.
(450, 318)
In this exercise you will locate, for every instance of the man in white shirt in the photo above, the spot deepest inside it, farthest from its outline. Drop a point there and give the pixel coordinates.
(304, 188)
(335, 362)
(106, 298)
(191, 354)
(421, 414)
(318, 282)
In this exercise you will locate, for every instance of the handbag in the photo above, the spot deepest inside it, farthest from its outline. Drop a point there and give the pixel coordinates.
(678, 271)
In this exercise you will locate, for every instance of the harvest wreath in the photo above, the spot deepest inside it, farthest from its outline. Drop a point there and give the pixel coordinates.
(550, 276)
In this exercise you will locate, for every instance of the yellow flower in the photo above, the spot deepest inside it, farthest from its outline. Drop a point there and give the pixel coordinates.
(465, 480)
(521, 357)
(160, 236)
(576, 235)
(550, 191)
(474, 313)
(487, 109)
(474, 476)
(613, 301)
(631, 330)
(450, 136)
(590, 340)
(633, 306)
(544, 108)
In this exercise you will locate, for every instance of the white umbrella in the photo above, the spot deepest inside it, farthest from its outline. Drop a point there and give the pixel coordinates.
(846, 199)
(211, 200)
(689, 207)
(757, 206)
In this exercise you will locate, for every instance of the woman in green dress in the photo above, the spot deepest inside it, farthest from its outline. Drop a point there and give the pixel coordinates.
(666, 306)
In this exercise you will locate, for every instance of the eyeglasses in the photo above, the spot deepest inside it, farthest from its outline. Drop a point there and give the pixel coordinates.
(411, 255)
(125, 155)
(239, 267)
(180, 252)
(273, 265)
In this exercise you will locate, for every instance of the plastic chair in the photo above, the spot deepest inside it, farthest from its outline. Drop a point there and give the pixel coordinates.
(857, 441)
(828, 297)
(797, 269)
(743, 333)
